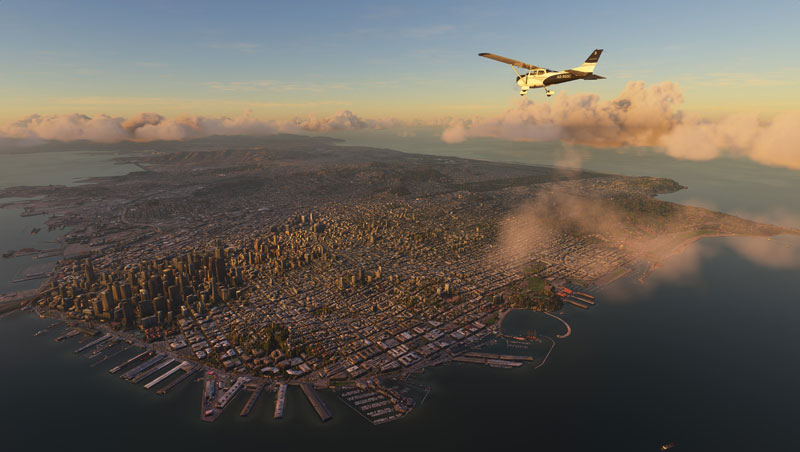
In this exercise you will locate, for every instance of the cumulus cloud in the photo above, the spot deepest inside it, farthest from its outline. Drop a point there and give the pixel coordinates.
(153, 126)
(641, 116)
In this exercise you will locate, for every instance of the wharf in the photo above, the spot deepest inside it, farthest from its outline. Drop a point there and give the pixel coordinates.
(225, 398)
(107, 357)
(67, 335)
(313, 398)
(138, 357)
(149, 363)
(280, 401)
(146, 373)
(164, 376)
(93, 343)
(580, 305)
(496, 356)
(189, 372)
(493, 362)
(251, 402)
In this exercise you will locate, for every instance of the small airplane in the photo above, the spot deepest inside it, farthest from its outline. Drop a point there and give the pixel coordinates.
(539, 77)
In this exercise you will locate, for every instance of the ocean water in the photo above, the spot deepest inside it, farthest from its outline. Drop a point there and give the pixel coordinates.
(701, 353)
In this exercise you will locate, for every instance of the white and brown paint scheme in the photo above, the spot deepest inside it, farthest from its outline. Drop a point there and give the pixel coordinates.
(539, 77)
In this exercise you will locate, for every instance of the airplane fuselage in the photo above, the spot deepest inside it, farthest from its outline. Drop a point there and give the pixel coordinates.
(546, 78)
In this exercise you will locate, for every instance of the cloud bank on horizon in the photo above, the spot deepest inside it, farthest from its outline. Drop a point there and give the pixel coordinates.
(153, 126)
(641, 116)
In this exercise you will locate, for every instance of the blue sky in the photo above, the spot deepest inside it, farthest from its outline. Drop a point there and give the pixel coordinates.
(406, 60)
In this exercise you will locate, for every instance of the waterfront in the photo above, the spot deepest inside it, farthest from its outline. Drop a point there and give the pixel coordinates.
(677, 364)
(677, 361)
(42, 168)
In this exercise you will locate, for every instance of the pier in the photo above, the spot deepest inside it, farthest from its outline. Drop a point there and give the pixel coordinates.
(189, 372)
(251, 402)
(149, 363)
(146, 373)
(93, 343)
(575, 303)
(107, 357)
(313, 398)
(165, 375)
(225, 398)
(492, 362)
(496, 356)
(138, 357)
(67, 335)
(280, 401)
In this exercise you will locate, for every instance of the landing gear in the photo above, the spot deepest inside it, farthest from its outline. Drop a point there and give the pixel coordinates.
(523, 91)
(549, 92)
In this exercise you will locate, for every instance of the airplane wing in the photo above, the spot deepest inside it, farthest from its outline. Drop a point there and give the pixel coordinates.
(502, 59)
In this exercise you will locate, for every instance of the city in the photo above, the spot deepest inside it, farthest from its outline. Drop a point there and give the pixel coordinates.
(248, 269)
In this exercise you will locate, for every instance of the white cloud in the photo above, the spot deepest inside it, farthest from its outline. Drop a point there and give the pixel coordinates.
(641, 116)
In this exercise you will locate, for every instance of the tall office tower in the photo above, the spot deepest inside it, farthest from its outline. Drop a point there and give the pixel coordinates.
(106, 300)
(155, 285)
(97, 307)
(126, 291)
(175, 299)
(116, 292)
(128, 312)
(89, 271)
(168, 277)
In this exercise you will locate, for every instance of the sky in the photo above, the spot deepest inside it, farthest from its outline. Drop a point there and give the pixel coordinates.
(695, 80)
(408, 60)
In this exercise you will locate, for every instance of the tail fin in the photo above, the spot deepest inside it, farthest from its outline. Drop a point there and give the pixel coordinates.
(591, 62)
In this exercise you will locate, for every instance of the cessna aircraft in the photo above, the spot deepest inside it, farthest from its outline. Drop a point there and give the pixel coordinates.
(539, 77)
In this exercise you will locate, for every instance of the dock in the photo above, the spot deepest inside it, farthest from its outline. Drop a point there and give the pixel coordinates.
(67, 335)
(251, 402)
(280, 401)
(313, 398)
(225, 398)
(107, 357)
(147, 372)
(93, 343)
(165, 375)
(580, 305)
(496, 356)
(189, 372)
(140, 356)
(149, 363)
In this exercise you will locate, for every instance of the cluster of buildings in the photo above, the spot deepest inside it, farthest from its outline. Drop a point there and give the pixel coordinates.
(326, 284)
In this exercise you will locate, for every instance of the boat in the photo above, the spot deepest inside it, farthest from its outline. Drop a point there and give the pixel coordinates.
(668, 446)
